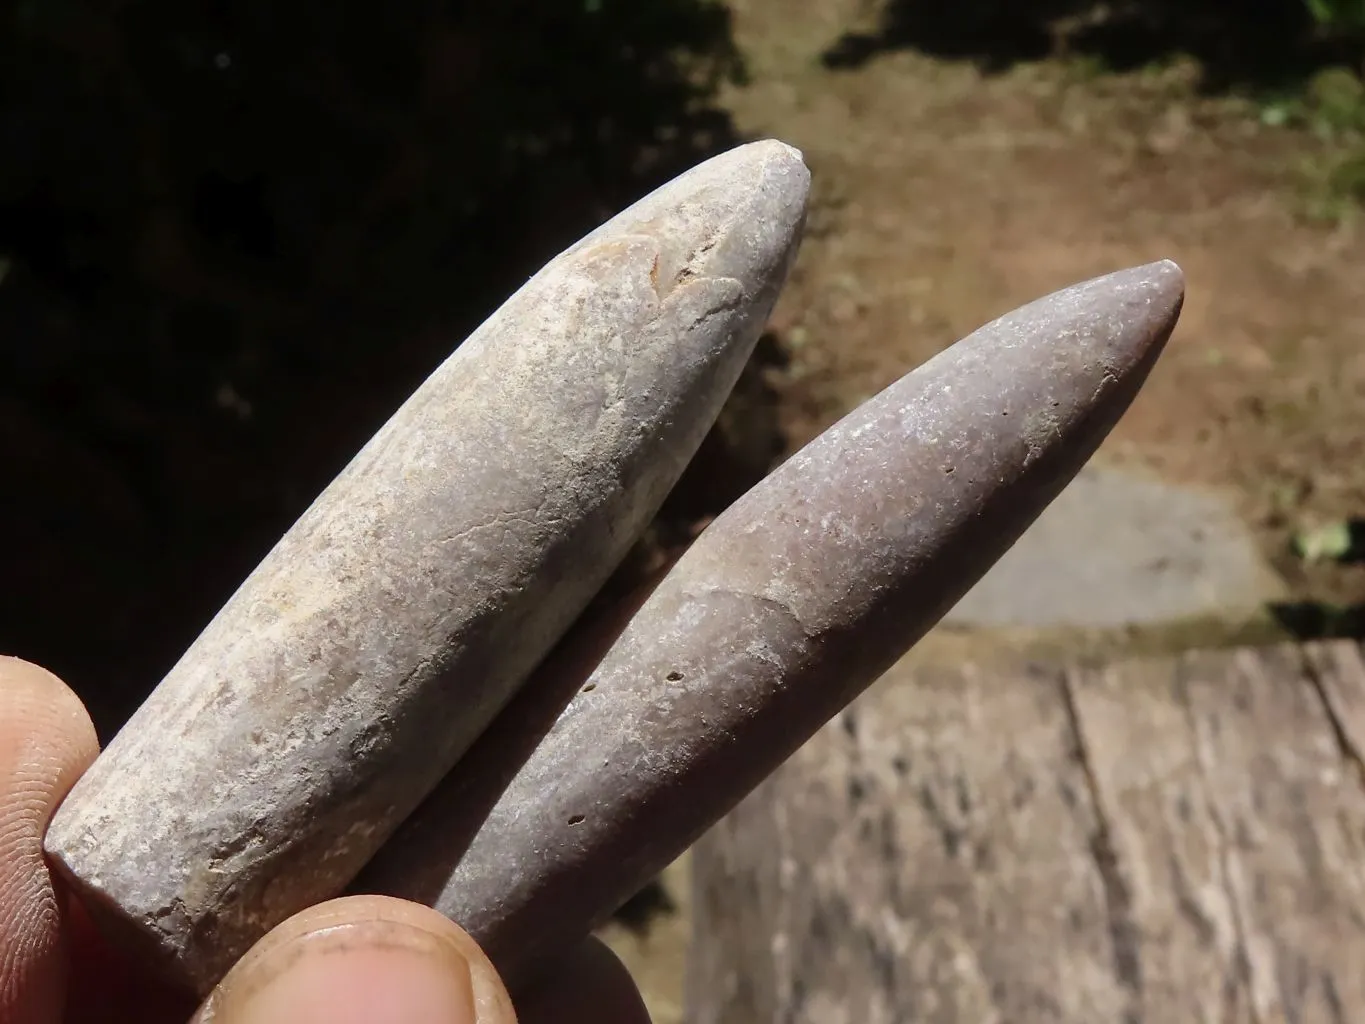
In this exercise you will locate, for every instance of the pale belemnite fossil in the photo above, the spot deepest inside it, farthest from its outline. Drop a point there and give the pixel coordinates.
(390, 651)
(396, 617)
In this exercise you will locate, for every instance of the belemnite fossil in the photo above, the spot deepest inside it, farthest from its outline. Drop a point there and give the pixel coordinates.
(392, 688)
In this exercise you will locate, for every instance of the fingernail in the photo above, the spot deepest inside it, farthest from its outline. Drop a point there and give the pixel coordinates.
(377, 971)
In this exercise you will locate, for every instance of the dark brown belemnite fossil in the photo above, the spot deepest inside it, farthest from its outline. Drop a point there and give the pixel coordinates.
(394, 620)
(784, 609)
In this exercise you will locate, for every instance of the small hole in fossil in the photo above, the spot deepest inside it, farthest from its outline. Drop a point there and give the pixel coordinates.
(949, 469)
(576, 819)
(673, 676)
(589, 688)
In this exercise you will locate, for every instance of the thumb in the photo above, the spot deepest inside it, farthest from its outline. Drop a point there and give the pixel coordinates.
(371, 959)
(46, 741)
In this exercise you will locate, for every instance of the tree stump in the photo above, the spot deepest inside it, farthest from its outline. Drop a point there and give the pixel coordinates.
(1177, 839)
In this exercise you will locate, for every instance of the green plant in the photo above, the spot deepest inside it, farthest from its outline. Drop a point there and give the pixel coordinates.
(1347, 16)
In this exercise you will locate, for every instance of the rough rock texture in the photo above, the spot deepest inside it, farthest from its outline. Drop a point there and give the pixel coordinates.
(1166, 839)
(398, 615)
(786, 607)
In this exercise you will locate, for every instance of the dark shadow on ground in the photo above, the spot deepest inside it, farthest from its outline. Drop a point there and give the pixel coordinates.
(234, 236)
(1317, 620)
(1265, 45)
(639, 913)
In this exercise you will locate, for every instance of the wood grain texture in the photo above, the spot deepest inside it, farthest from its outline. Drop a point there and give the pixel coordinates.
(1175, 839)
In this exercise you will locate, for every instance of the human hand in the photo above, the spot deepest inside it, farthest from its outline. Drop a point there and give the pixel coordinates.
(362, 958)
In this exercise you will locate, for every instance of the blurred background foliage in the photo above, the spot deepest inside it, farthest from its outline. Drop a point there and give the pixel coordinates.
(233, 237)
(1339, 16)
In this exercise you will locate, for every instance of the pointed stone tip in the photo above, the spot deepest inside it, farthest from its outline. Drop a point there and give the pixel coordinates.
(1115, 326)
(1161, 286)
(775, 149)
(1166, 277)
(1162, 281)
(764, 182)
(755, 163)
(1135, 308)
(788, 163)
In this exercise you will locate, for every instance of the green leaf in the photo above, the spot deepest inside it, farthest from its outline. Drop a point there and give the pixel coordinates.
(1331, 542)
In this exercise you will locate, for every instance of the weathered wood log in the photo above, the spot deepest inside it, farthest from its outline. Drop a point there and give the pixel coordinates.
(1175, 839)
(784, 609)
(395, 619)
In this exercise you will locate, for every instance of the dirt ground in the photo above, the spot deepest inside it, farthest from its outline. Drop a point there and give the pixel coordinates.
(944, 196)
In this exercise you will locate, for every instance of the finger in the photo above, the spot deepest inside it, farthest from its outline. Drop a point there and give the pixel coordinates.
(588, 986)
(370, 959)
(46, 742)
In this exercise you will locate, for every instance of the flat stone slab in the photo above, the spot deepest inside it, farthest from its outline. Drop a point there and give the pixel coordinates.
(1117, 549)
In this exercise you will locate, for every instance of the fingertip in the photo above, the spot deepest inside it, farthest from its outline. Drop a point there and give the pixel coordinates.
(41, 717)
(374, 959)
(46, 742)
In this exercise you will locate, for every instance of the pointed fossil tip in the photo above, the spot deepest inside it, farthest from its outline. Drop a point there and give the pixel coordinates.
(1165, 276)
(1130, 313)
(776, 148)
(1161, 283)
(755, 165)
(1154, 294)
(737, 214)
